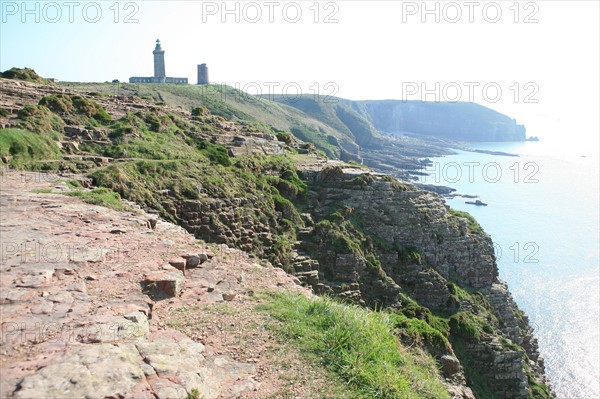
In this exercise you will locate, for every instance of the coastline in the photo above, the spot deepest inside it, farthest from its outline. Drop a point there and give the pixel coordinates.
(529, 257)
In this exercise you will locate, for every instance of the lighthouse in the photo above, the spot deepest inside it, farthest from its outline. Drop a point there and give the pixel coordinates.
(159, 63)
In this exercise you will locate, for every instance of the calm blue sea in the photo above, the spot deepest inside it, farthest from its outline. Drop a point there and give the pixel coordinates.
(542, 215)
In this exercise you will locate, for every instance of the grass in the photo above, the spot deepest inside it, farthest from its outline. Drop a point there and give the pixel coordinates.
(472, 224)
(26, 74)
(99, 196)
(24, 146)
(357, 344)
(422, 333)
(194, 394)
(360, 346)
(40, 119)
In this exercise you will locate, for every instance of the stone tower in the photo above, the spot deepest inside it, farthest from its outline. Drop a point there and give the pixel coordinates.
(159, 63)
(202, 74)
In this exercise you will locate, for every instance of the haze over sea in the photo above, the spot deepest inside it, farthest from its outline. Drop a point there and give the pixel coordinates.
(542, 215)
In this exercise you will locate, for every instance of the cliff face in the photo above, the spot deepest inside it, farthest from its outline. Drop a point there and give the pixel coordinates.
(460, 121)
(409, 244)
(426, 250)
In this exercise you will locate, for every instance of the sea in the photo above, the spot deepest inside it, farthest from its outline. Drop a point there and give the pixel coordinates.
(542, 215)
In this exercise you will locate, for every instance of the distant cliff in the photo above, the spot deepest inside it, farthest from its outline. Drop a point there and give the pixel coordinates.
(459, 121)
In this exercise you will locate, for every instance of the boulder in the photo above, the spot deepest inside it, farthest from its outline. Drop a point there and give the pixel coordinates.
(164, 283)
(196, 260)
(450, 365)
(178, 263)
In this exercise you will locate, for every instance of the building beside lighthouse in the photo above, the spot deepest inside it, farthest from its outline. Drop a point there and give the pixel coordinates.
(160, 75)
(202, 74)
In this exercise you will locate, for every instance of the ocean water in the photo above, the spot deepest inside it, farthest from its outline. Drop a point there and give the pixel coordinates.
(542, 215)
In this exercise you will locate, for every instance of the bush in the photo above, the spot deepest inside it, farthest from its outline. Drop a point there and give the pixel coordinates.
(215, 153)
(410, 256)
(200, 111)
(469, 326)
(58, 103)
(75, 106)
(285, 137)
(421, 333)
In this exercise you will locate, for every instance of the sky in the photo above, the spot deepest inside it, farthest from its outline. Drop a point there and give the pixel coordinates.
(536, 61)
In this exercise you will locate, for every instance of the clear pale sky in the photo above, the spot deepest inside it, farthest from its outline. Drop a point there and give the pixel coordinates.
(368, 50)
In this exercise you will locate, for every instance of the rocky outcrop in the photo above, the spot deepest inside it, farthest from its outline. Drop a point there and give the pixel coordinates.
(237, 222)
(406, 218)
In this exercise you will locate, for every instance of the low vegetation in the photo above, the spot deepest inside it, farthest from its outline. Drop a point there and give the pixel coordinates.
(21, 147)
(357, 344)
(98, 196)
(341, 233)
(472, 224)
(39, 119)
(26, 74)
(76, 110)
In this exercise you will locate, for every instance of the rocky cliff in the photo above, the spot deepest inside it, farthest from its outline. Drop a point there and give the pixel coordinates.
(364, 237)
(427, 251)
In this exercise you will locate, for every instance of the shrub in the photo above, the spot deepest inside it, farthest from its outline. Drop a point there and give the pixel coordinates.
(469, 326)
(200, 111)
(214, 152)
(76, 109)
(285, 137)
(421, 333)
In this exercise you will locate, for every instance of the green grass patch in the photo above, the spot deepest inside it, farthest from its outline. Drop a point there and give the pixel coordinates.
(24, 146)
(472, 224)
(99, 196)
(76, 109)
(357, 344)
(536, 390)
(39, 119)
(26, 74)
(422, 333)
(469, 326)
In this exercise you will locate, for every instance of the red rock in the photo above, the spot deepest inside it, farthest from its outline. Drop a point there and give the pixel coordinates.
(178, 263)
(169, 283)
